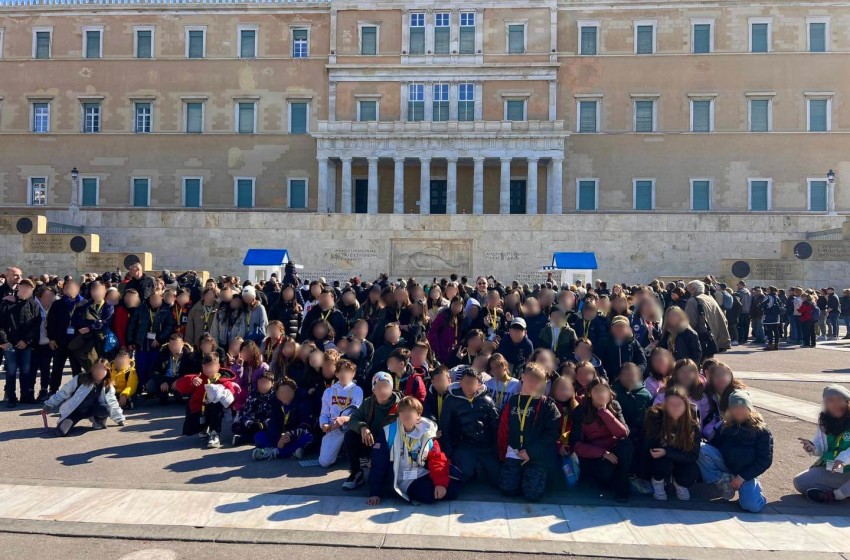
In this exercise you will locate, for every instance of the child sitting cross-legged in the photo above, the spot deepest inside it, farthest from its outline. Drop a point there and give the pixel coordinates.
(339, 401)
(210, 394)
(289, 429)
(420, 471)
(254, 416)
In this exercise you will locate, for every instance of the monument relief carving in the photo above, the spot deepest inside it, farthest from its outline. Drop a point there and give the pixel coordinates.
(423, 258)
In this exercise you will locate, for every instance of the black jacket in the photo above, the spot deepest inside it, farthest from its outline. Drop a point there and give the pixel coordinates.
(334, 317)
(466, 423)
(614, 355)
(286, 313)
(747, 452)
(687, 345)
(20, 320)
(144, 285)
(59, 318)
(541, 428)
(634, 404)
(185, 364)
(163, 325)
(654, 419)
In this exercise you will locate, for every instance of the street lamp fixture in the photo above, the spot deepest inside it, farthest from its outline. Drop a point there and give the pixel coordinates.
(75, 174)
(830, 192)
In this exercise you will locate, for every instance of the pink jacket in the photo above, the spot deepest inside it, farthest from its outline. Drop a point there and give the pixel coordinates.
(247, 380)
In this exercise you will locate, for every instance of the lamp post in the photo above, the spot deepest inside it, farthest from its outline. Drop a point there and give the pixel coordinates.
(74, 208)
(830, 193)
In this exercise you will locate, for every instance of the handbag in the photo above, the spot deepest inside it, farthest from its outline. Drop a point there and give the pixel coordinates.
(110, 341)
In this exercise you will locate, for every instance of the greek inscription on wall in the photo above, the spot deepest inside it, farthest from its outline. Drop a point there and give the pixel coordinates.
(504, 256)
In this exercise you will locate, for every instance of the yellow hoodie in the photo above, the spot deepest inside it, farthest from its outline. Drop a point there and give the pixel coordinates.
(126, 381)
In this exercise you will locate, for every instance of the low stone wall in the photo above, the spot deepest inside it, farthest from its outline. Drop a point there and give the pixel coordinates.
(634, 247)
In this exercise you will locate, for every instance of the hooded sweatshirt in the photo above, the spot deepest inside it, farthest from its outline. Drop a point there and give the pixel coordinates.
(374, 415)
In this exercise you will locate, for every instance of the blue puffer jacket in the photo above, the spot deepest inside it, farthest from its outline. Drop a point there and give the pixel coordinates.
(747, 452)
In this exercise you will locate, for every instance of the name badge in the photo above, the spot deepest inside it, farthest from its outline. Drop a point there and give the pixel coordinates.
(409, 475)
(151, 336)
(69, 330)
(830, 465)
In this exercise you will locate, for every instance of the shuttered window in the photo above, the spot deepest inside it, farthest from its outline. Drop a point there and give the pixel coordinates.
(817, 37)
(297, 193)
(759, 115)
(645, 39)
(818, 115)
(701, 195)
(244, 193)
(92, 44)
(701, 115)
(441, 32)
(245, 116)
(141, 192)
(300, 43)
(515, 110)
(91, 117)
(42, 44)
(415, 102)
(643, 194)
(298, 118)
(588, 40)
(759, 196)
(702, 38)
(41, 117)
(195, 117)
(516, 39)
(586, 195)
(440, 107)
(89, 191)
(192, 193)
(368, 110)
(466, 101)
(467, 33)
(417, 33)
(144, 117)
(587, 116)
(144, 43)
(817, 196)
(196, 44)
(759, 40)
(645, 116)
(247, 43)
(369, 40)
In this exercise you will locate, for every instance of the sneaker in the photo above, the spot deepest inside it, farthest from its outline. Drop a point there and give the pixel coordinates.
(734, 343)
(204, 433)
(353, 481)
(658, 490)
(682, 493)
(236, 441)
(65, 426)
(264, 453)
(98, 424)
(299, 453)
(820, 496)
(640, 486)
(214, 442)
(725, 486)
(821, 338)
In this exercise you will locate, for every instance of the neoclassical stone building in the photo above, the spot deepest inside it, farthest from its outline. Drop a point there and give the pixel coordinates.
(381, 106)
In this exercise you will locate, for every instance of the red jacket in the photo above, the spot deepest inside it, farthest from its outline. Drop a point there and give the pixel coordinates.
(438, 465)
(120, 320)
(591, 441)
(806, 309)
(415, 386)
(185, 386)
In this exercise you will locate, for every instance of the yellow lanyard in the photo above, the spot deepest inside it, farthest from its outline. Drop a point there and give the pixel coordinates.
(175, 363)
(326, 315)
(178, 312)
(152, 314)
(408, 443)
(586, 327)
(838, 441)
(396, 382)
(500, 395)
(97, 308)
(248, 317)
(439, 407)
(523, 418)
(208, 313)
(285, 416)
(565, 419)
(270, 351)
(495, 320)
(398, 315)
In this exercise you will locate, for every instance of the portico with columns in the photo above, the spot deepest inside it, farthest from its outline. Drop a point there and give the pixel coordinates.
(441, 167)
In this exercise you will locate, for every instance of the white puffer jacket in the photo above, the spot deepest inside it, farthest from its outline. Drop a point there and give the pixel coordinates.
(72, 394)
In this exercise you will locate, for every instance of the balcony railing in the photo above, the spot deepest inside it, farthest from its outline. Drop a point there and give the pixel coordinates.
(441, 127)
(7, 3)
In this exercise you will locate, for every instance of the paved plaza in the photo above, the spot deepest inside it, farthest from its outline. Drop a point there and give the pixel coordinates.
(144, 482)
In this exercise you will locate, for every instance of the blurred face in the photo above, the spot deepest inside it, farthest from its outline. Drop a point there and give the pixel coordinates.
(72, 289)
(588, 312)
(233, 349)
(348, 298)
(168, 299)
(721, 377)
(739, 414)
(285, 394)
(440, 383)
(480, 361)
(674, 320)
(183, 299)
(113, 297)
(517, 335)
(326, 301)
(630, 377)
(320, 332)
(661, 363)
(383, 391)
(498, 370)
(345, 376)
(264, 385)
(557, 319)
(621, 331)
(99, 373)
(418, 356)
(583, 351)
(209, 298)
(835, 406)
(493, 300)
(469, 385)
(316, 360)
(274, 332)
(451, 292)
(392, 335)
(395, 365)
(532, 385)
(248, 298)
(687, 376)
(122, 361)
(315, 290)
(585, 375)
(547, 360)
(564, 390)
(361, 329)
(288, 293)
(211, 370)
(206, 346)
(328, 369)
(601, 396)
(24, 292)
(47, 298)
(436, 293)
(98, 292)
(409, 417)
(675, 406)
(175, 346)
(289, 349)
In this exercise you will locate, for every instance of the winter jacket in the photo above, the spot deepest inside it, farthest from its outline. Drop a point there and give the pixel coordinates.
(653, 423)
(425, 458)
(596, 330)
(379, 359)
(246, 378)
(715, 318)
(591, 441)
(197, 395)
(516, 354)
(333, 316)
(199, 323)
(685, 345)
(468, 422)
(563, 347)
(807, 310)
(125, 381)
(167, 368)
(534, 325)
(413, 384)
(771, 309)
(645, 333)
(256, 322)
(144, 286)
(444, 337)
(59, 319)
(824, 452)
(634, 404)
(541, 428)
(120, 324)
(833, 304)
(160, 322)
(20, 320)
(286, 313)
(747, 452)
(434, 404)
(96, 319)
(703, 408)
(374, 415)
(72, 394)
(294, 419)
(228, 324)
(257, 409)
(614, 355)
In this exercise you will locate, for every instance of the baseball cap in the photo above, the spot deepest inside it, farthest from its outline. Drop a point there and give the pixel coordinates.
(381, 377)
(518, 323)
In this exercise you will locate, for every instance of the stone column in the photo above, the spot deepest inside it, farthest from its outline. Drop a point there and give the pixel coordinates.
(322, 186)
(425, 185)
(372, 206)
(451, 185)
(346, 185)
(505, 186)
(557, 185)
(531, 187)
(478, 185)
(398, 186)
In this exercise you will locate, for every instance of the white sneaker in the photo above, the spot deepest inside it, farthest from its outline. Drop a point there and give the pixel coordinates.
(204, 433)
(734, 343)
(299, 453)
(214, 442)
(682, 493)
(658, 490)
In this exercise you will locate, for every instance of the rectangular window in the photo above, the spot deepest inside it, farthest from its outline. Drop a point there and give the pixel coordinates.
(245, 117)
(417, 33)
(588, 39)
(644, 38)
(247, 43)
(515, 109)
(192, 192)
(300, 43)
(517, 194)
(41, 116)
(144, 120)
(586, 194)
(759, 115)
(415, 102)
(92, 39)
(817, 195)
(588, 112)
(818, 115)
(38, 191)
(701, 195)
(759, 195)
(41, 47)
(141, 192)
(298, 113)
(91, 117)
(516, 38)
(195, 43)
(298, 193)
(759, 37)
(442, 32)
(817, 36)
(369, 40)
(466, 102)
(144, 43)
(467, 33)
(645, 115)
(702, 114)
(702, 38)
(644, 194)
(367, 110)
(195, 117)
(441, 102)
(90, 186)
(243, 194)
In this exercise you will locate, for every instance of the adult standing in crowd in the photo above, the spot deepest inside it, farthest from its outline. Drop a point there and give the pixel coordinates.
(707, 319)
(19, 325)
(140, 281)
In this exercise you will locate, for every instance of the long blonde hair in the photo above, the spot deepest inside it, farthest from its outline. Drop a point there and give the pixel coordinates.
(754, 421)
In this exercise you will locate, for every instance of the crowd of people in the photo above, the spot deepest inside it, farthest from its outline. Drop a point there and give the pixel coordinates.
(424, 387)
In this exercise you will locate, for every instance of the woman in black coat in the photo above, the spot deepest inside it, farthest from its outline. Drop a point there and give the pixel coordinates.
(678, 337)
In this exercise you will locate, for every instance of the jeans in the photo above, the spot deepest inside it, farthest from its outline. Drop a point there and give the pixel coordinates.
(773, 332)
(712, 467)
(846, 320)
(796, 331)
(822, 323)
(832, 324)
(743, 327)
(758, 329)
(41, 358)
(18, 365)
(808, 328)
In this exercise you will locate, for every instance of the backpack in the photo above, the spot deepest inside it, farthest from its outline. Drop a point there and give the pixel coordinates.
(816, 313)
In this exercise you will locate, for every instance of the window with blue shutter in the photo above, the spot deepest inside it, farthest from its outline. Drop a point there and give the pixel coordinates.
(643, 195)
(645, 39)
(244, 193)
(417, 33)
(588, 40)
(817, 37)
(516, 39)
(818, 115)
(369, 40)
(644, 116)
(515, 110)
(440, 103)
(141, 193)
(89, 191)
(759, 40)
(817, 196)
(466, 101)
(42, 45)
(195, 117)
(467, 33)
(92, 44)
(298, 193)
(298, 118)
(247, 43)
(245, 112)
(144, 43)
(442, 21)
(368, 110)
(759, 196)
(701, 195)
(586, 195)
(587, 116)
(701, 115)
(415, 102)
(759, 115)
(192, 193)
(196, 44)
(702, 38)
